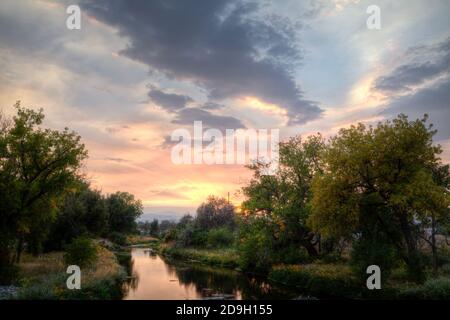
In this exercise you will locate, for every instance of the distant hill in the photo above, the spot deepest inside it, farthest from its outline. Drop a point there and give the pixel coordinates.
(151, 216)
(165, 213)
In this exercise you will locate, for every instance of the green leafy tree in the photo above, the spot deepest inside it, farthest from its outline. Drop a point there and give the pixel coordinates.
(123, 210)
(83, 212)
(380, 179)
(214, 213)
(154, 228)
(282, 199)
(37, 166)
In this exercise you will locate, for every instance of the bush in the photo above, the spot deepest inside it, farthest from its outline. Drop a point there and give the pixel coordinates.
(434, 289)
(118, 238)
(220, 237)
(222, 258)
(256, 251)
(368, 252)
(81, 252)
(8, 273)
(319, 280)
(190, 235)
(443, 256)
(291, 254)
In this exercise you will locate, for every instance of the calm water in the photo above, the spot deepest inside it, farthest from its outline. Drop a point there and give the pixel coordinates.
(154, 277)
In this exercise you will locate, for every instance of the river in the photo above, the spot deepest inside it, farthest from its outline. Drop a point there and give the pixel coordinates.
(155, 277)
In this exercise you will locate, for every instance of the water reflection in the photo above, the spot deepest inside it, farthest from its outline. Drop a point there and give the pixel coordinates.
(154, 277)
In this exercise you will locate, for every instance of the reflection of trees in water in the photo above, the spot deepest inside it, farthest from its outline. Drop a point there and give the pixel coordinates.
(222, 281)
(132, 280)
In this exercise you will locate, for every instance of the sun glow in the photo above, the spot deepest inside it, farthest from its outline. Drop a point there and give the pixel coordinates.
(255, 103)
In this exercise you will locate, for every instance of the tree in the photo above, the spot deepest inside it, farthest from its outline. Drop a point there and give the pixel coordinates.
(185, 220)
(37, 166)
(441, 176)
(83, 212)
(123, 210)
(154, 228)
(383, 176)
(215, 212)
(282, 199)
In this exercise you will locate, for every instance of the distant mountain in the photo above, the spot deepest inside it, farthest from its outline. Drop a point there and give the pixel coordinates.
(165, 213)
(160, 216)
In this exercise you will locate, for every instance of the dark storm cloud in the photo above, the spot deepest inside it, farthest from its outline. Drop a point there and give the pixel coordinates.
(221, 45)
(428, 62)
(435, 62)
(212, 106)
(169, 101)
(433, 101)
(189, 115)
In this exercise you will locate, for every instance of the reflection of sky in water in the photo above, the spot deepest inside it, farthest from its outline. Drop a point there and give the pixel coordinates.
(155, 279)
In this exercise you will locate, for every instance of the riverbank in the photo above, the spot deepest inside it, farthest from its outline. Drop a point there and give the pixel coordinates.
(44, 277)
(319, 279)
(224, 257)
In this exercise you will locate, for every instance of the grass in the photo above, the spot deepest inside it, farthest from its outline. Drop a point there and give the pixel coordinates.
(432, 289)
(321, 280)
(224, 257)
(138, 240)
(44, 277)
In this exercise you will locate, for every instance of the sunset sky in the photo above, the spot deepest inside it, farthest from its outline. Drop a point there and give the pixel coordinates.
(138, 70)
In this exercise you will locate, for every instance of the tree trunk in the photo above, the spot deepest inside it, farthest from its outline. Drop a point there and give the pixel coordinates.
(433, 244)
(412, 258)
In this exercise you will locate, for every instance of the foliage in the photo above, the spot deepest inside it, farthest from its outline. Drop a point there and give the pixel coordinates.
(390, 167)
(220, 237)
(283, 198)
(44, 277)
(320, 280)
(81, 252)
(256, 245)
(37, 167)
(123, 210)
(434, 289)
(214, 257)
(191, 235)
(118, 238)
(83, 212)
(149, 228)
(154, 228)
(215, 212)
(291, 254)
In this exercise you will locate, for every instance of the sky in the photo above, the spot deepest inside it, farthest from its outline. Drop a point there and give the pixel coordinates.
(138, 70)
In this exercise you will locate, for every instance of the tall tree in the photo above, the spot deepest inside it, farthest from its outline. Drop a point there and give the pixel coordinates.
(123, 211)
(283, 198)
(382, 175)
(37, 166)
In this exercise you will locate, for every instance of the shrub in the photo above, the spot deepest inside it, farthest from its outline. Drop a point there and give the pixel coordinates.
(291, 254)
(220, 237)
(82, 252)
(190, 235)
(256, 251)
(222, 258)
(118, 238)
(443, 256)
(8, 273)
(320, 280)
(368, 252)
(434, 289)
